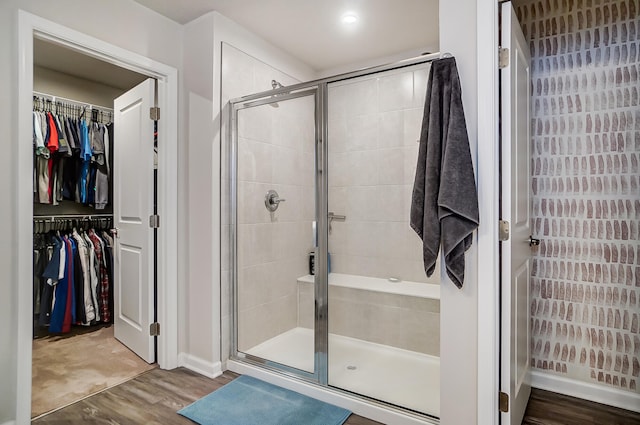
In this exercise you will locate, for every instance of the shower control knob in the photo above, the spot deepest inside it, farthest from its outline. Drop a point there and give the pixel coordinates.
(272, 200)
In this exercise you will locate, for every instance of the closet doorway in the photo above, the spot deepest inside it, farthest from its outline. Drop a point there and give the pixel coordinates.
(136, 198)
(97, 140)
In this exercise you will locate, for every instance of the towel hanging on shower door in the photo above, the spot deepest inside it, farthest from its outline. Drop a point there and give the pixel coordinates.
(444, 203)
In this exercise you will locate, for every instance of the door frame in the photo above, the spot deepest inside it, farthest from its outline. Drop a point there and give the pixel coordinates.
(30, 26)
(488, 164)
(321, 335)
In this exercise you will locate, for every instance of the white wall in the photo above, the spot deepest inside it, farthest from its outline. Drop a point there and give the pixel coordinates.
(56, 83)
(459, 307)
(120, 22)
(198, 344)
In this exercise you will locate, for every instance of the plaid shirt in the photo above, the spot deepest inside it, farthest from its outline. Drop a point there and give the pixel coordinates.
(103, 278)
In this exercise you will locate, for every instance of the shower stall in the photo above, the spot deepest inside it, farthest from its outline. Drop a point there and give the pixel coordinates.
(324, 273)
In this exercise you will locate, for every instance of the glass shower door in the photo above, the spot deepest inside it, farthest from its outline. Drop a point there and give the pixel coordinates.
(274, 207)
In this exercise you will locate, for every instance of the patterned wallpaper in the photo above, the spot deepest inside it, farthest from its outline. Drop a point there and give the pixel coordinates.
(585, 292)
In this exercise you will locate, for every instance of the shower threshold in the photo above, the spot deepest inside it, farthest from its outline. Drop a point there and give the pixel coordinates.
(404, 378)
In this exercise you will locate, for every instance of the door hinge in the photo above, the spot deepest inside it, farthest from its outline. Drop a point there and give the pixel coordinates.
(154, 329)
(503, 230)
(504, 402)
(503, 57)
(154, 113)
(154, 221)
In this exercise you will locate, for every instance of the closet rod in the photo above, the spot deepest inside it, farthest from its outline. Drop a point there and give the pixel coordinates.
(64, 99)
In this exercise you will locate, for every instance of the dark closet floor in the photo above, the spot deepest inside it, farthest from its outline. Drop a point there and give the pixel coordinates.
(155, 396)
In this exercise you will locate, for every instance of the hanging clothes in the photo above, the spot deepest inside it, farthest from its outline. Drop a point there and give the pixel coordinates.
(71, 155)
(73, 277)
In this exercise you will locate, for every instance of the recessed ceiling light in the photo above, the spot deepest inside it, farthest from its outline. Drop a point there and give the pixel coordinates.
(349, 18)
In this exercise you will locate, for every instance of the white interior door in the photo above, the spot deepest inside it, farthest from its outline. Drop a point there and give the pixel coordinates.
(515, 356)
(133, 205)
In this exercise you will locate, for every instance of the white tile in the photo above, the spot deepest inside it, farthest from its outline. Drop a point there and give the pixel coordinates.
(293, 124)
(286, 311)
(254, 161)
(339, 169)
(307, 170)
(338, 262)
(407, 196)
(256, 123)
(420, 80)
(254, 244)
(361, 97)
(308, 200)
(392, 204)
(237, 73)
(362, 132)
(338, 200)
(291, 208)
(395, 92)
(262, 76)
(363, 239)
(284, 165)
(362, 168)
(391, 129)
(284, 240)
(338, 239)
(391, 169)
(362, 203)
(412, 245)
(392, 240)
(253, 285)
(364, 266)
(337, 102)
(410, 163)
(251, 208)
(337, 132)
(412, 126)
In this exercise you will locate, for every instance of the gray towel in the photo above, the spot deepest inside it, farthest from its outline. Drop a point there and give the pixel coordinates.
(444, 204)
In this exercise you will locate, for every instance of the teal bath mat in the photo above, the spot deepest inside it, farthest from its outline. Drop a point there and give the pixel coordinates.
(250, 401)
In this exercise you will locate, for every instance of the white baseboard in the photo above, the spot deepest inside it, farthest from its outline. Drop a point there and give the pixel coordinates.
(9, 423)
(587, 391)
(198, 365)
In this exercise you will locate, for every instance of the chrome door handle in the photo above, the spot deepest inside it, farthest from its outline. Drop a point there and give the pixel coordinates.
(533, 241)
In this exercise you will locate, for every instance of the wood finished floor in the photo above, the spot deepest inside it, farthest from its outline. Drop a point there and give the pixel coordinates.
(151, 399)
(155, 396)
(548, 408)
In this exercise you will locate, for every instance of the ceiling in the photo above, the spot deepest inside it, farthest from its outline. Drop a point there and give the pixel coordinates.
(312, 31)
(62, 59)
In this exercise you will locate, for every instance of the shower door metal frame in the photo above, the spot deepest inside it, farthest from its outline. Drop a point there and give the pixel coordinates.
(321, 334)
(321, 325)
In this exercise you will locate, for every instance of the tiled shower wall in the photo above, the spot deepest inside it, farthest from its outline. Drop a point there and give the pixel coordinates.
(586, 149)
(275, 151)
(374, 127)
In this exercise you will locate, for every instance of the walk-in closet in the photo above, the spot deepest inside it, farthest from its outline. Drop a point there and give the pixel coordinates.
(75, 351)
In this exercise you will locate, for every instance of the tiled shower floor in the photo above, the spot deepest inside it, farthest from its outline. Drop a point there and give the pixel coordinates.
(396, 376)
